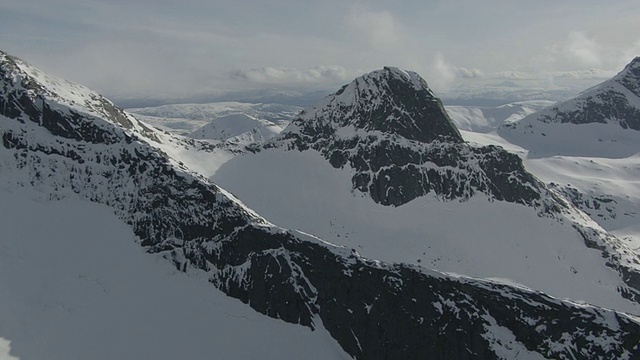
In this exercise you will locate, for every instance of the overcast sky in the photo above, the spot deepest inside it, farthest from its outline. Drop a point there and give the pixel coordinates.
(174, 47)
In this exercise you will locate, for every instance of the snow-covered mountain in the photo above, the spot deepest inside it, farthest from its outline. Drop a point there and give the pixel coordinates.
(456, 207)
(587, 148)
(238, 128)
(392, 130)
(614, 101)
(64, 145)
(594, 123)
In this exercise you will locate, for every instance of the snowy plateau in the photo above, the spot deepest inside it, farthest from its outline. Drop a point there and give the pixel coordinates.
(375, 224)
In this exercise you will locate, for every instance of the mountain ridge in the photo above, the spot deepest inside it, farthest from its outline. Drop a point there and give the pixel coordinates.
(615, 101)
(59, 152)
(395, 171)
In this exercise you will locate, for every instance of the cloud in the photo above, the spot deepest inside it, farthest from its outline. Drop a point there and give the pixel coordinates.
(465, 73)
(513, 75)
(581, 48)
(441, 74)
(584, 74)
(581, 51)
(627, 54)
(195, 45)
(379, 29)
(289, 76)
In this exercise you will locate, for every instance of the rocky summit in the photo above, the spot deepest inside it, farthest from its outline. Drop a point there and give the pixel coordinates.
(388, 101)
(394, 132)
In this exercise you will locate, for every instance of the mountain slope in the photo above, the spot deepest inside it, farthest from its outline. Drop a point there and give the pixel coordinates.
(75, 285)
(615, 101)
(587, 149)
(594, 123)
(64, 150)
(453, 200)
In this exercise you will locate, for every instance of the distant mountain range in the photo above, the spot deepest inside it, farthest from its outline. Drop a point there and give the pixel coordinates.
(291, 97)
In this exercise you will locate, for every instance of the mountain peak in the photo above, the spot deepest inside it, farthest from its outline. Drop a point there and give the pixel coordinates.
(635, 62)
(630, 76)
(409, 77)
(615, 101)
(389, 101)
(65, 108)
(398, 140)
(5, 57)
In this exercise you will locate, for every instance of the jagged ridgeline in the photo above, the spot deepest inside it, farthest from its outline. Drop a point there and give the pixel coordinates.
(394, 132)
(59, 141)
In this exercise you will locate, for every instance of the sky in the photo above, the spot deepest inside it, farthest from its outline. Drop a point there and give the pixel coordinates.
(171, 47)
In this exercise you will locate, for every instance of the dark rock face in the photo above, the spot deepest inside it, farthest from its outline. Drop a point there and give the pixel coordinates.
(390, 128)
(374, 310)
(377, 311)
(394, 174)
(614, 101)
(602, 107)
(390, 101)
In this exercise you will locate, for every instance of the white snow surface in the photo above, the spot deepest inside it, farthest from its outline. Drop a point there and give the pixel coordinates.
(75, 285)
(479, 237)
(576, 140)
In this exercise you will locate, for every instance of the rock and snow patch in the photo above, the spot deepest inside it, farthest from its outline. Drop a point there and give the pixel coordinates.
(504, 343)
